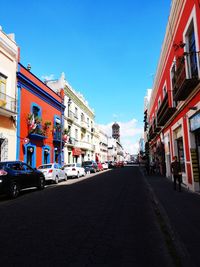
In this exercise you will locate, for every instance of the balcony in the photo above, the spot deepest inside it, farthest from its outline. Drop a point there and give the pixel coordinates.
(71, 142)
(152, 133)
(85, 145)
(37, 134)
(71, 116)
(57, 136)
(186, 81)
(7, 105)
(165, 112)
(84, 125)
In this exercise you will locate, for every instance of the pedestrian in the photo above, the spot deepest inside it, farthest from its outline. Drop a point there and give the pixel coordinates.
(176, 171)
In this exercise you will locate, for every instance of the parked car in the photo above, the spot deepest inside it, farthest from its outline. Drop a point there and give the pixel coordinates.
(105, 165)
(53, 172)
(74, 170)
(99, 166)
(111, 164)
(17, 175)
(90, 166)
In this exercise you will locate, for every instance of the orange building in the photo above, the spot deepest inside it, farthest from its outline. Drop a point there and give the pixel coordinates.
(174, 110)
(40, 120)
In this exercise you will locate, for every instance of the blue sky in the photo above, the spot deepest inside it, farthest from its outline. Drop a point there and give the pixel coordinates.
(108, 50)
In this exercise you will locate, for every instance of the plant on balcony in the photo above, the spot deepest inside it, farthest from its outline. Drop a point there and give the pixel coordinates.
(34, 125)
(47, 125)
(65, 131)
(65, 135)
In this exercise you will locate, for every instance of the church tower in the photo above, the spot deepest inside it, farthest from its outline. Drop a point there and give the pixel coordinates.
(116, 131)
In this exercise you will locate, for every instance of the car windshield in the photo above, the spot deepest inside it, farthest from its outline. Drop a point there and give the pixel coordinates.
(49, 166)
(69, 165)
(85, 163)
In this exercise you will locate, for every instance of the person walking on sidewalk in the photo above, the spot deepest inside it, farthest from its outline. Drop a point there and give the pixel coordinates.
(176, 171)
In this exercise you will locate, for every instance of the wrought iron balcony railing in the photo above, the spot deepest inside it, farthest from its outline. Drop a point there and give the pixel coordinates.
(164, 112)
(8, 103)
(186, 75)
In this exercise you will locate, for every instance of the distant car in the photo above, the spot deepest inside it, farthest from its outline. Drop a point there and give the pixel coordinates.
(99, 166)
(90, 166)
(17, 175)
(74, 170)
(105, 165)
(119, 164)
(53, 172)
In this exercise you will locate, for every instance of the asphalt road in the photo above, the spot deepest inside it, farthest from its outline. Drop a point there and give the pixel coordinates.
(102, 220)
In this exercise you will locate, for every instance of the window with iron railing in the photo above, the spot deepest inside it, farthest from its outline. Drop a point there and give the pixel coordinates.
(3, 80)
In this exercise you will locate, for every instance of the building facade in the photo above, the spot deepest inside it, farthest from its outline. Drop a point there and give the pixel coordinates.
(8, 96)
(174, 110)
(103, 146)
(40, 121)
(78, 123)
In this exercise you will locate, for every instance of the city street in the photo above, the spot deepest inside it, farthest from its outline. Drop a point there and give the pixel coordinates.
(105, 219)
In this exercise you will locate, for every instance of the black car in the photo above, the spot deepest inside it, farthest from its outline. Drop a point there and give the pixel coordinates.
(90, 166)
(17, 175)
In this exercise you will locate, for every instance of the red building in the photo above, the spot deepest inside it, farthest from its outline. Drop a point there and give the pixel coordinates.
(174, 110)
(40, 120)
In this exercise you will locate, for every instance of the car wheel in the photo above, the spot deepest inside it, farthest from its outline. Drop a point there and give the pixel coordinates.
(65, 177)
(78, 175)
(14, 190)
(56, 179)
(41, 183)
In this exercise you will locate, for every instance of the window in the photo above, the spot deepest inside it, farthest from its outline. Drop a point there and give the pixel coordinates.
(76, 134)
(36, 111)
(76, 113)
(191, 49)
(173, 81)
(190, 38)
(82, 117)
(3, 79)
(164, 91)
(88, 122)
(159, 102)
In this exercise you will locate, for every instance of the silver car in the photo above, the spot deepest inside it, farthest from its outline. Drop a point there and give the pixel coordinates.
(74, 170)
(53, 172)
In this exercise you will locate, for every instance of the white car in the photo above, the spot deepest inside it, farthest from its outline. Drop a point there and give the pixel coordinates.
(74, 170)
(105, 165)
(53, 172)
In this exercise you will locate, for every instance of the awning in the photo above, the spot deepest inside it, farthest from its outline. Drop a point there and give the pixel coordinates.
(76, 151)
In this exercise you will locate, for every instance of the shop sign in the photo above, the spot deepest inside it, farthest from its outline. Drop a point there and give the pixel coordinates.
(195, 122)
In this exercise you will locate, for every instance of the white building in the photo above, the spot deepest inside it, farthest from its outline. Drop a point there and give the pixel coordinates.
(103, 145)
(112, 149)
(78, 123)
(8, 95)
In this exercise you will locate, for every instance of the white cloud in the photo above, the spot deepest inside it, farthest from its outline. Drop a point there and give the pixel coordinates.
(130, 133)
(48, 77)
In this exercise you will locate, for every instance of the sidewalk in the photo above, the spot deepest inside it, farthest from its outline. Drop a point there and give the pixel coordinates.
(181, 212)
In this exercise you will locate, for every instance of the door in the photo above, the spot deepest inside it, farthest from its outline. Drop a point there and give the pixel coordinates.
(29, 177)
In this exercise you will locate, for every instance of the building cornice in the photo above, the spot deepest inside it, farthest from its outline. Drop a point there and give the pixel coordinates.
(76, 99)
(177, 7)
